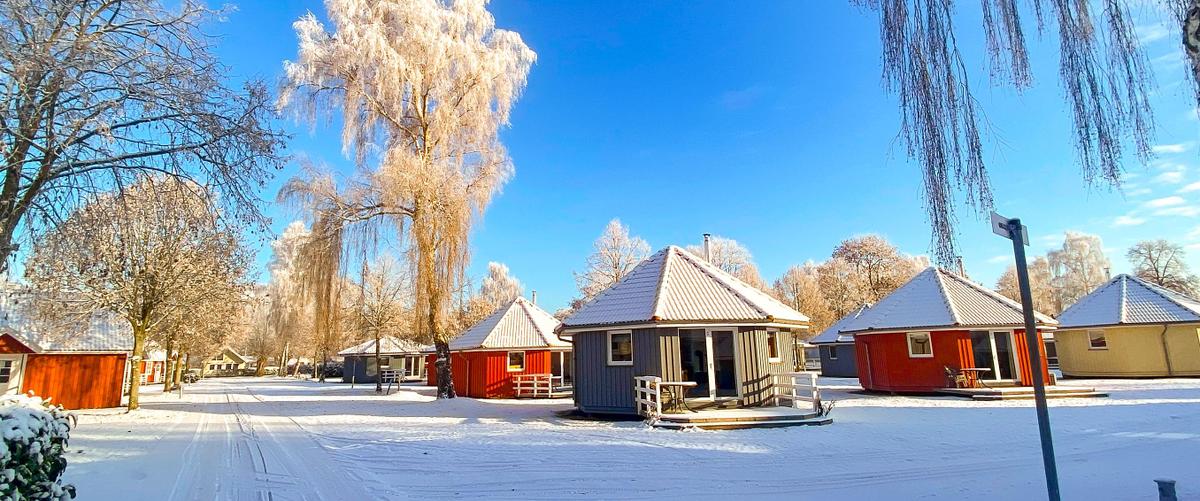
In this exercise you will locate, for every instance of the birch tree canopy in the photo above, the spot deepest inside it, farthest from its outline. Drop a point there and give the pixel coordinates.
(615, 254)
(1163, 263)
(423, 88)
(94, 94)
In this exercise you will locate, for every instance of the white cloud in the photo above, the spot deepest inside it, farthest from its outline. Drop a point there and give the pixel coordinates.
(1174, 177)
(1171, 148)
(1138, 192)
(1190, 187)
(1165, 202)
(1148, 34)
(1186, 211)
(1001, 259)
(1127, 220)
(1194, 234)
(1192, 247)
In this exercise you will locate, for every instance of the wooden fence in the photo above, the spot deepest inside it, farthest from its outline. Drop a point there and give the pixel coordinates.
(792, 388)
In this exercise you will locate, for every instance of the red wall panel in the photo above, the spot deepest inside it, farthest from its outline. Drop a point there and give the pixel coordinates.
(884, 363)
(76, 381)
(484, 374)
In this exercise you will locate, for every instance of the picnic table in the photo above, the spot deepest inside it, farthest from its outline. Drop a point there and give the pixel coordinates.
(678, 391)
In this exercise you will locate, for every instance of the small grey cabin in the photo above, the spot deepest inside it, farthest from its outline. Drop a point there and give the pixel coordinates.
(838, 356)
(678, 317)
(400, 355)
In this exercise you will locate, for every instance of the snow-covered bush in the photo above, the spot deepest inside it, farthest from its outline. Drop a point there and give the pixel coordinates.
(35, 433)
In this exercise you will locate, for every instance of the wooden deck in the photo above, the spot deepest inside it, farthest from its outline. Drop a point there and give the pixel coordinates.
(1020, 393)
(745, 417)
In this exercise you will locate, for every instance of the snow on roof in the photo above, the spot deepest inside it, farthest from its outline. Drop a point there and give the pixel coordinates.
(833, 334)
(104, 331)
(519, 324)
(674, 285)
(938, 298)
(1130, 300)
(388, 345)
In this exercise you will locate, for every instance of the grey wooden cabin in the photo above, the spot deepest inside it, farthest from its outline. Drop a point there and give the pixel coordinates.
(680, 318)
(838, 356)
(400, 355)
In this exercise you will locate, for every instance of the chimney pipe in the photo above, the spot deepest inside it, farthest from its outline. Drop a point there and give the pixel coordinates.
(707, 248)
(533, 296)
(962, 270)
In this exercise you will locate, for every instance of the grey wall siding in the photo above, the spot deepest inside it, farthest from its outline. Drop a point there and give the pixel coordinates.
(354, 369)
(599, 387)
(755, 369)
(846, 364)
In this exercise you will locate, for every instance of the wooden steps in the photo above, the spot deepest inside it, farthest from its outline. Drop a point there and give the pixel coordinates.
(749, 417)
(1020, 393)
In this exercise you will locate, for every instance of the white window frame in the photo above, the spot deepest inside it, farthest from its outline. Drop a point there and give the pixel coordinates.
(832, 350)
(1103, 337)
(772, 334)
(508, 361)
(609, 345)
(908, 336)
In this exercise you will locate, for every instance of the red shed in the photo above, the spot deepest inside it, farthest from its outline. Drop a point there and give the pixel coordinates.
(517, 339)
(84, 370)
(939, 321)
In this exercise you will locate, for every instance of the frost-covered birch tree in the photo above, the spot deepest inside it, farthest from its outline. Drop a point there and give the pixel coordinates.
(1078, 267)
(1045, 298)
(423, 88)
(731, 256)
(615, 254)
(800, 288)
(96, 93)
(385, 303)
(152, 254)
(289, 311)
(499, 287)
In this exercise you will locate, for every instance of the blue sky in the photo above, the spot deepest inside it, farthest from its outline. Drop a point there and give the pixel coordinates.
(769, 125)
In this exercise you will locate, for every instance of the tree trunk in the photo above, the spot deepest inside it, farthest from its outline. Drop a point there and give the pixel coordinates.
(445, 381)
(180, 366)
(261, 369)
(168, 367)
(378, 369)
(316, 356)
(135, 369)
(283, 362)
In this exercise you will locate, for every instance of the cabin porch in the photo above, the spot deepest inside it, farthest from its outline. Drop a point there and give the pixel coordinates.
(794, 401)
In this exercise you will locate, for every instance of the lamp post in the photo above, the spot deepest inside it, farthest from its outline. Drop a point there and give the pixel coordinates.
(1012, 229)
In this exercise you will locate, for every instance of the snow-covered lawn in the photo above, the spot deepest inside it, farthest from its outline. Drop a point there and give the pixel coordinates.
(242, 438)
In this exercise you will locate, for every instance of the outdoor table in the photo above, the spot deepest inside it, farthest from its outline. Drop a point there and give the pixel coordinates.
(972, 374)
(678, 391)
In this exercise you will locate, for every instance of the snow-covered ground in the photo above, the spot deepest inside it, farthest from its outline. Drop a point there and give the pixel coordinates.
(247, 438)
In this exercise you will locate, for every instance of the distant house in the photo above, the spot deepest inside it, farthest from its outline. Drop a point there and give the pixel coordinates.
(518, 339)
(153, 365)
(225, 363)
(1129, 327)
(678, 317)
(838, 357)
(939, 321)
(400, 355)
(78, 370)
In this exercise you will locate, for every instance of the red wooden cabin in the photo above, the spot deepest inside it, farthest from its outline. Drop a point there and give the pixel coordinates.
(84, 370)
(517, 339)
(939, 321)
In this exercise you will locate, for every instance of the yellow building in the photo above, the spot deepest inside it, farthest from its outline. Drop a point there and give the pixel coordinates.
(1130, 328)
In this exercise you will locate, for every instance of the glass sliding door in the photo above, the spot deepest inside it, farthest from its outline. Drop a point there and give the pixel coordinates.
(1004, 355)
(709, 359)
(693, 360)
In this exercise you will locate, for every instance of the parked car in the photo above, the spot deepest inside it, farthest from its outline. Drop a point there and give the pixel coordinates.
(333, 369)
(191, 376)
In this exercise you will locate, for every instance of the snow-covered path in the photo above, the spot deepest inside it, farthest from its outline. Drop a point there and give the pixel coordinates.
(246, 438)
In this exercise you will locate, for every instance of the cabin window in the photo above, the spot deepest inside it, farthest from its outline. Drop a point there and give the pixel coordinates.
(385, 362)
(6, 371)
(620, 348)
(1096, 340)
(919, 345)
(516, 361)
(773, 346)
(832, 351)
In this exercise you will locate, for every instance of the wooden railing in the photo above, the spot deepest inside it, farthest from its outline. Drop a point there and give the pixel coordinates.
(792, 388)
(536, 385)
(647, 397)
